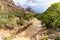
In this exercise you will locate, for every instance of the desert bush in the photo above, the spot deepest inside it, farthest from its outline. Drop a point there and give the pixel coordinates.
(45, 38)
(28, 16)
(7, 20)
(21, 21)
(11, 23)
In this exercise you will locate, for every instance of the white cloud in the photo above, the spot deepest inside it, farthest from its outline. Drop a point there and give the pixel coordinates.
(21, 2)
(34, 2)
(42, 4)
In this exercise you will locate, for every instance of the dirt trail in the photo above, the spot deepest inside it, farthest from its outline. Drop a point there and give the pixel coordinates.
(31, 30)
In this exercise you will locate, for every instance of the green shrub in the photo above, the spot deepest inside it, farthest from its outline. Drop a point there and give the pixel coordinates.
(39, 16)
(7, 20)
(51, 17)
(28, 16)
(57, 38)
(21, 21)
(45, 38)
(11, 23)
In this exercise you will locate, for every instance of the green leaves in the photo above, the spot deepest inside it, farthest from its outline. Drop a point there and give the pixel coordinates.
(11, 23)
(21, 21)
(51, 18)
(57, 38)
(28, 16)
(7, 20)
(45, 38)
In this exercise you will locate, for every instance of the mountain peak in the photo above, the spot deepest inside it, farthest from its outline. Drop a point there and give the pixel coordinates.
(29, 9)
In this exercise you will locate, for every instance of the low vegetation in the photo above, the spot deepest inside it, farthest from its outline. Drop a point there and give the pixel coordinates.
(51, 18)
(28, 16)
(45, 38)
(57, 38)
(8, 20)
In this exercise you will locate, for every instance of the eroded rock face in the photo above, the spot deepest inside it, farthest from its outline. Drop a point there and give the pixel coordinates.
(9, 6)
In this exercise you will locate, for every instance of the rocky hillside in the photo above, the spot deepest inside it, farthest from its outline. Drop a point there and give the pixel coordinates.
(7, 6)
(12, 15)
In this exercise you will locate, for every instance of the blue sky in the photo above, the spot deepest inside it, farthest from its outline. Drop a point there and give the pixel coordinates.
(37, 5)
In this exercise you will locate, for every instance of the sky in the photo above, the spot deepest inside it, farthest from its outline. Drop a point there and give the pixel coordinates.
(38, 6)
